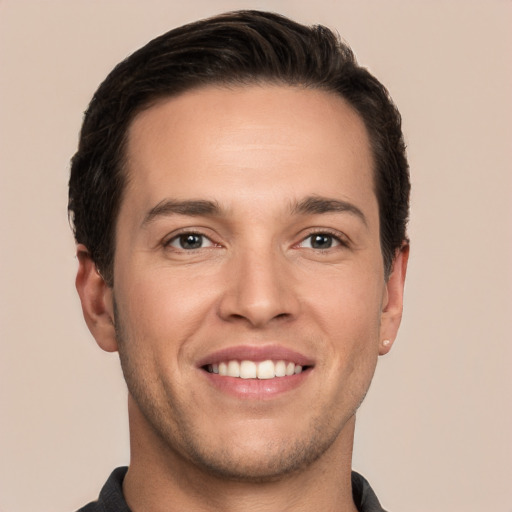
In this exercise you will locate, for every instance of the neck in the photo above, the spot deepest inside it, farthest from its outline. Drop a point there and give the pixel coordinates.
(160, 479)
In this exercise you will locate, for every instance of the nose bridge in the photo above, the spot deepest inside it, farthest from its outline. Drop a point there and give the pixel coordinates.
(259, 287)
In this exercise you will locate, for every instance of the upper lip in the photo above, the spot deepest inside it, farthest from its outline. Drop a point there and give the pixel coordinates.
(256, 353)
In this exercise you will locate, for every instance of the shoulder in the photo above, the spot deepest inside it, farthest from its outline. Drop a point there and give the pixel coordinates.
(111, 497)
(364, 496)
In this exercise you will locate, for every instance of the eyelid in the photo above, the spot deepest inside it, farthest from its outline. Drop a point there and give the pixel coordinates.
(340, 237)
(167, 241)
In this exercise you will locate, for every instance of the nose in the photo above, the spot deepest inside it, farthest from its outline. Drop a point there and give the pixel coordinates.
(259, 289)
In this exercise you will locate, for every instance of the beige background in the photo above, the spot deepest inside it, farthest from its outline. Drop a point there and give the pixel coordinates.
(435, 432)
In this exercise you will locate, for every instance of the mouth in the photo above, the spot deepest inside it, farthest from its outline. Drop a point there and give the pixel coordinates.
(249, 369)
(256, 371)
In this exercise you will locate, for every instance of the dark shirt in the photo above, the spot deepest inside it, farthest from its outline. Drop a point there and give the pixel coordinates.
(111, 497)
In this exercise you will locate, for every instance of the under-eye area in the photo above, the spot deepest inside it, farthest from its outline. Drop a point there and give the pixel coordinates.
(246, 369)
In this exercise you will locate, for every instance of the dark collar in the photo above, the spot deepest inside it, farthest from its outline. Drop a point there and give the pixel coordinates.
(111, 498)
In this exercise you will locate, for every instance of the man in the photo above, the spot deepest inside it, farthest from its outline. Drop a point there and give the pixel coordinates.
(239, 200)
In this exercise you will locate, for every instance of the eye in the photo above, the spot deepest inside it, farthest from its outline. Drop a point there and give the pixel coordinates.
(190, 241)
(320, 241)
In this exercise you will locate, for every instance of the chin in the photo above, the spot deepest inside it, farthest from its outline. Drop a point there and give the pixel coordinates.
(262, 466)
(267, 460)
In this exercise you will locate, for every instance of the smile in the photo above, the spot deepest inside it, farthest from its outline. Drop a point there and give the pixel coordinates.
(247, 369)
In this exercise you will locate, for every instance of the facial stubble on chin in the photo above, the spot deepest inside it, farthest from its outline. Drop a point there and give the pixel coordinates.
(183, 439)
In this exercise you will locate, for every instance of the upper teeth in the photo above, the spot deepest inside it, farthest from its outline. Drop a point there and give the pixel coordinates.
(255, 370)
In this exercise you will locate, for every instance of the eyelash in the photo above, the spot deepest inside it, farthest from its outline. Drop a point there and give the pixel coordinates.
(168, 243)
(335, 236)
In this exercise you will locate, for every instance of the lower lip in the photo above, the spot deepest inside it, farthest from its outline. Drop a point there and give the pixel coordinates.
(257, 389)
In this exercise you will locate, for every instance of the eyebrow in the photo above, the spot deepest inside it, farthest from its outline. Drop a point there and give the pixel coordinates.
(317, 205)
(311, 205)
(192, 208)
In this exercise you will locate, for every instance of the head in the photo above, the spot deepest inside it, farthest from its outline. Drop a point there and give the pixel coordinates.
(239, 48)
(239, 197)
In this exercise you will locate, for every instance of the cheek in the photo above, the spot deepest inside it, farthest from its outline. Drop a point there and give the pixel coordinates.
(163, 307)
(347, 306)
(348, 311)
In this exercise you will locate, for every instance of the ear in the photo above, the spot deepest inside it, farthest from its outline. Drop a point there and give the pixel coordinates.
(97, 301)
(392, 305)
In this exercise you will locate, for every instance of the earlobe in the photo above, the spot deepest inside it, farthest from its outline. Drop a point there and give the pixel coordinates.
(393, 304)
(97, 301)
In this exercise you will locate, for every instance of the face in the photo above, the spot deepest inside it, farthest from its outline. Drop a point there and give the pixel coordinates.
(249, 296)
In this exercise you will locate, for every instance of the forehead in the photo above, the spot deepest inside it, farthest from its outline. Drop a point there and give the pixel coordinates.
(245, 140)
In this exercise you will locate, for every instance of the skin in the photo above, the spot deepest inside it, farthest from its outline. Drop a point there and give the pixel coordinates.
(256, 152)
